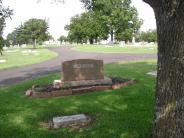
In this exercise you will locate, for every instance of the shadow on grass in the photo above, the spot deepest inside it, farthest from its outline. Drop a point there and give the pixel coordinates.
(124, 113)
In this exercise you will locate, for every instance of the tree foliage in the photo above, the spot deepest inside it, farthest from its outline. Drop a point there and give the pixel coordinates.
(149, 36)
(4, 13)
(62, 38)
(116, 14)
(86, 27)
(104, 17)
(1, 45)
(31, 31)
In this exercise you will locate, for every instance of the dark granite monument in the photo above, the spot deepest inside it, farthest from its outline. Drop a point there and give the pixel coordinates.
(78, 77)
(83, 72)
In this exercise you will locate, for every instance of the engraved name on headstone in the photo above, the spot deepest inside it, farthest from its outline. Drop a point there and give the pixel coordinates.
(82, 69)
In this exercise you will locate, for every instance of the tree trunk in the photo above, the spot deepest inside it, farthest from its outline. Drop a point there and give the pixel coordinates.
(112, 36)
(34, 44)
(96, 40)
(91, 41)
(1, 52)
(169, 104)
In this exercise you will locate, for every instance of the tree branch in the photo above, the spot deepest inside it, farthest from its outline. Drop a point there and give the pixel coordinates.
(153, 3)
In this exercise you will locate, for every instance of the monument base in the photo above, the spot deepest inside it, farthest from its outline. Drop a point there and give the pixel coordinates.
(46, 91)
(105, 81)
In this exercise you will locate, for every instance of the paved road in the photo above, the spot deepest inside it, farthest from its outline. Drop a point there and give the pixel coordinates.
(12, 76)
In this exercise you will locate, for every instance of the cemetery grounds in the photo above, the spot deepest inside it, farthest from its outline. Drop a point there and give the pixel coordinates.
(17, 57)
(149, 49)
(123, 113)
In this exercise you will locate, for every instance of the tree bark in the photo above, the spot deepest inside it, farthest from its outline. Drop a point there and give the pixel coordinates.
(1, 52)
(91, 41)
(34, 44)
(169, 104)
(112, 36)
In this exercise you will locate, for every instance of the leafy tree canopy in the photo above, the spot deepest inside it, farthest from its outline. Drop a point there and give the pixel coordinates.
(4, 13)
(31, 31)
(62, 38)
(86, 27)
(149, 36)
(104, 17)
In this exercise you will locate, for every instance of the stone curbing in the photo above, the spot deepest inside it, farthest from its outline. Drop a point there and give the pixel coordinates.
(59, 93)
(120, 85)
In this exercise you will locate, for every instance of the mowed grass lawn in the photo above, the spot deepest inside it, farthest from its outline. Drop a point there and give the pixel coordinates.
(116, 49)
(20, 57)
(123, 113)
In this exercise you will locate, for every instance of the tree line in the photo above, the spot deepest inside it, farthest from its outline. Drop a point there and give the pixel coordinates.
(141, 36)
(5, 12)
(148, 36)
(32, 32)
(104, 18)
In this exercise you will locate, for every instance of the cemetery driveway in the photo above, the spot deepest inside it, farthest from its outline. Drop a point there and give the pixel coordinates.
(12, 76)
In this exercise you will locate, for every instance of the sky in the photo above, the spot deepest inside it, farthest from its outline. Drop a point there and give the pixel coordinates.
(58, 14)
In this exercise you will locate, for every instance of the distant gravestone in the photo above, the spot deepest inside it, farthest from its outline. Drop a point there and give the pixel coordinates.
(2, 60)
(152, 73)
(83, 72)
(122, 43)
(5, 48)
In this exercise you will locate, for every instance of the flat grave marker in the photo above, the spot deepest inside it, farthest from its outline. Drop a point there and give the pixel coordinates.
(65, 120)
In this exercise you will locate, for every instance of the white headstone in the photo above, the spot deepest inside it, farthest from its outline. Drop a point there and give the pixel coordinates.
(2, 60)
(152, 73)
(122, 43)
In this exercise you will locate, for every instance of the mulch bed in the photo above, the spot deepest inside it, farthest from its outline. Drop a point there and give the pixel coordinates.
(45, 91)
